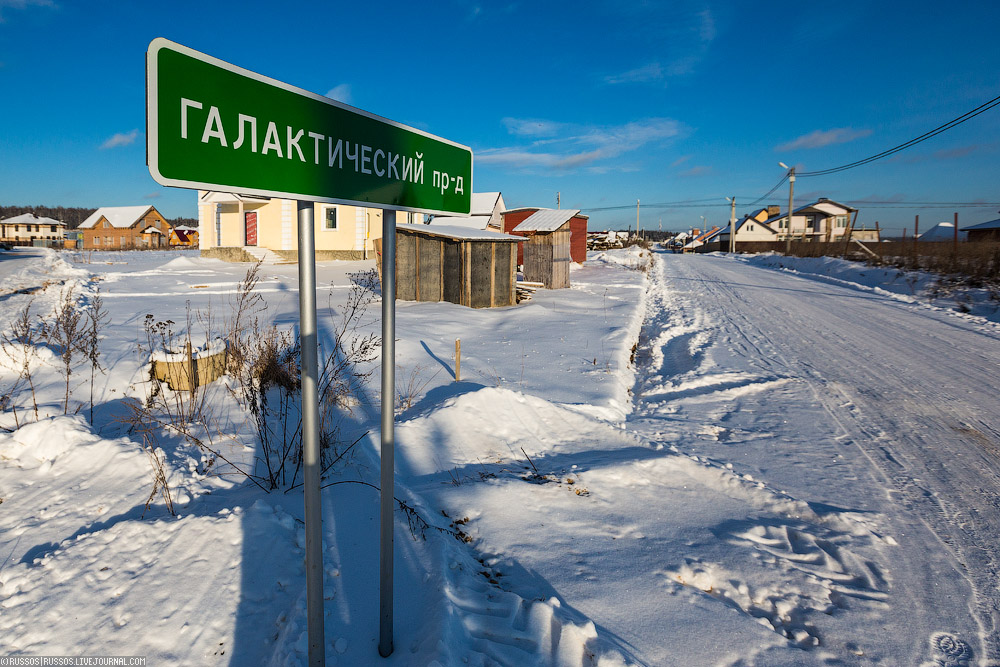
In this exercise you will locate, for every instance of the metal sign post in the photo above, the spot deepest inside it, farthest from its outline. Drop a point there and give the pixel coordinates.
(388, 433)
(214, 126)
(310, 434)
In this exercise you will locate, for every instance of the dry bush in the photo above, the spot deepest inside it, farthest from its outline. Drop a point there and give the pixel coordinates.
(20, 345)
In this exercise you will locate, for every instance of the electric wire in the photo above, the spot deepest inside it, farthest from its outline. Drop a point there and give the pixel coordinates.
(986, 106)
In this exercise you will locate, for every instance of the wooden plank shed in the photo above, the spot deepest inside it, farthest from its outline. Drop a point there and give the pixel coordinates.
(547, 250)
(577, 228)
(470, 267)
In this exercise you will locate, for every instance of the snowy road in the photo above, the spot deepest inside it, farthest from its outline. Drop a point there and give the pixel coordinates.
(910, 415)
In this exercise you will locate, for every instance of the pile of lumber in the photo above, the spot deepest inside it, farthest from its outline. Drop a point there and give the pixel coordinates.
(526, 289)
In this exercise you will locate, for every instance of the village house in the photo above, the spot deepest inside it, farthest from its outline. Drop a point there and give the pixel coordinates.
(29, 229)
(821, 220)
(183, 236)
(234, 227)
(983, 232)
(125, 227)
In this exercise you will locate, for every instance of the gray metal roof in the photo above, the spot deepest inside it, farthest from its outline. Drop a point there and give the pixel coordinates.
(546, 220)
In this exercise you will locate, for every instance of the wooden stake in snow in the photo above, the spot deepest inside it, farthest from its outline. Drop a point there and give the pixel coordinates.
(458, 360)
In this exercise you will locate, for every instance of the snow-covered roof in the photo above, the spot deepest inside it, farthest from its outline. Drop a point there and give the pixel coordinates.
(992, 224)
(455, 232)
(120, 217)
(546, 220)
(468, 221)
(31, 219)
(151, 230)
(483, 203)
(942, 231)
(185, 228)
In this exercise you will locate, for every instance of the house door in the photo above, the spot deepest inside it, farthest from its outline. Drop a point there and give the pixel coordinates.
(251, 225)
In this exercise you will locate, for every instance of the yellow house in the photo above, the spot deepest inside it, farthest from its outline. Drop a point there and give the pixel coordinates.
(232, 226)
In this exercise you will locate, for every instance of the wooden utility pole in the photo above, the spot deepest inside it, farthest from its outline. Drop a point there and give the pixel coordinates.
(955, 242)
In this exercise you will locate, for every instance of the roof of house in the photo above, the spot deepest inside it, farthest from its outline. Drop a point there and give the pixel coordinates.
(31, 219)
(483, 203)
(992, 224)
(120, 217)
(185, 228)
(546, 220)
(468, 221)
(942, 231)
(455, 232)
(182, 235)
(151, 230)
(821, 200)
(538, 208)
(753, 219)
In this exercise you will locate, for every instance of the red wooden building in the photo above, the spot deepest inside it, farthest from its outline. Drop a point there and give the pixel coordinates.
(577, 228)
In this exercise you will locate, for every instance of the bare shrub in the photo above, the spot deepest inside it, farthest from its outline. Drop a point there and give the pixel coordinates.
(20, 345)
(410, 386)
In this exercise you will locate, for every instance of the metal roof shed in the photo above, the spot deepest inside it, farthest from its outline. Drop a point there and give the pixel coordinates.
(470, 267)
(547, 250)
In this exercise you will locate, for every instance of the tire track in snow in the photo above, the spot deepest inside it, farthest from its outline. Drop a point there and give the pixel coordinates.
(928, 430)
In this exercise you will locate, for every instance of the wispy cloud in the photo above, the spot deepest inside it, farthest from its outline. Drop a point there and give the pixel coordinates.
(954, 153)
(689, 34)
(341, 93)
(895, 198)
(821, 138)
(681, 160)
(153, 195)
(120, 139)
(575, 146)
(22, 4)
(644, 74)
(531, 127)
(698, 170)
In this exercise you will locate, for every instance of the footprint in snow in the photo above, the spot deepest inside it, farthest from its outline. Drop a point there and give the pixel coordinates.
(950, 651)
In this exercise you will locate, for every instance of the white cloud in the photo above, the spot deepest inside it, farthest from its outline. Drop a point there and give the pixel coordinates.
(120, 139)
(821, 138)
(575, 145)
(22, 4)
(341, 93)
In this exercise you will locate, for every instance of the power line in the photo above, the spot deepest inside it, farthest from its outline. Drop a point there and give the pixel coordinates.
(912, 142)
(771, 191)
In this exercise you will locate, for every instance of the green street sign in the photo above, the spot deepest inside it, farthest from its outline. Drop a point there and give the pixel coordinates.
(213, 126)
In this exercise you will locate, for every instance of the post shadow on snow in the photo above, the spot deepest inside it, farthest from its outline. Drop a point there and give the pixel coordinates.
(351, 609)
(451, 371)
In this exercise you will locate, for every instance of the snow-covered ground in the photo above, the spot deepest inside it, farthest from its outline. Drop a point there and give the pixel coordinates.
(709, 462)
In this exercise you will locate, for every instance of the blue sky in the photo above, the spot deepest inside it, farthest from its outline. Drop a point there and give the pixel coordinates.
(604, 102)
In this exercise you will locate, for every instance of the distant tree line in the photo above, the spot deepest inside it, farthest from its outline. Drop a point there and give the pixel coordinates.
(72, 216)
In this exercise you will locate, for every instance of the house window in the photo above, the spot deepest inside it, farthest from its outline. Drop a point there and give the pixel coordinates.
(783, 223)
(330, 219)
(810, 222)
(53, 228)
(122, 241)
(749, 228)
(841, 222)
(97, 240)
